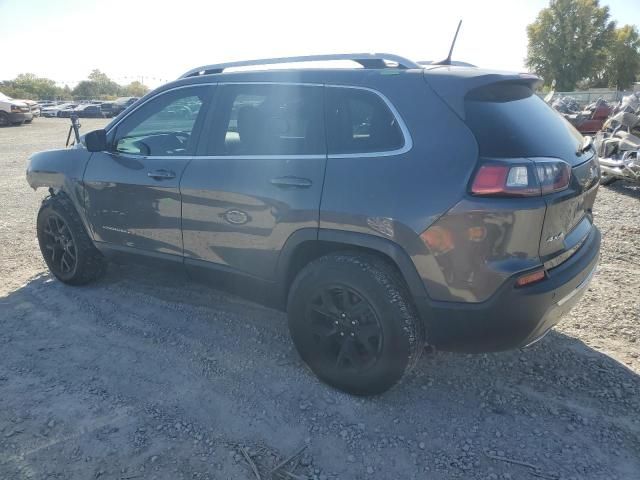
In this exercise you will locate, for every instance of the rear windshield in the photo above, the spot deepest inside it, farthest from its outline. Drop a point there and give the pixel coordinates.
(509, 120)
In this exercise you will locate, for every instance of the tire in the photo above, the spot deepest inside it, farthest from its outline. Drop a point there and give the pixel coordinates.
(353, 324)
(65, 245)
(4, 119)
(607, 179)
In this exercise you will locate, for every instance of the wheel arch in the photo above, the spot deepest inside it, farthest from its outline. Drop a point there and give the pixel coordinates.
(61, 171)
(306, 245)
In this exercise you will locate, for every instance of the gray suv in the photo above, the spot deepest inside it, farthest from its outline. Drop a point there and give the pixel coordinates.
(382, 207)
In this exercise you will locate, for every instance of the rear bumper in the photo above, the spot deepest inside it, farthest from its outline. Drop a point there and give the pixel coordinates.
(512, 317)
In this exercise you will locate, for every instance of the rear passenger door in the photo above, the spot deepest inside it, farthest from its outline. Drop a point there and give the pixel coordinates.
(260, 178)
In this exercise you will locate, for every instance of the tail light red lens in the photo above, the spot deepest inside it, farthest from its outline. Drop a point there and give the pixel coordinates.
(490, 179)
(521, 179)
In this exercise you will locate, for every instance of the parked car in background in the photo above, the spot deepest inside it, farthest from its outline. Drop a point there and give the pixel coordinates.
(382, 207)
(13, 112)
(67, 112)
(107, 109)
(87, 110)
(34, 107)
(121, 104)
(55, 111)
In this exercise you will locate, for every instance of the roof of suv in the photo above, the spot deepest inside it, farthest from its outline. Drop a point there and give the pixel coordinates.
(450, 82)
(386, 62)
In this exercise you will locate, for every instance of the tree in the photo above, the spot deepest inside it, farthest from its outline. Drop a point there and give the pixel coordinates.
(99, 77)
(86, 89)
(66, 93)
(568, 41)
(623, 63)
(30, 86)
(135, 89)
(98, 85)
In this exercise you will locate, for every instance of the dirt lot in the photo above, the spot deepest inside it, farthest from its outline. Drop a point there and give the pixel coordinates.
(144, 375)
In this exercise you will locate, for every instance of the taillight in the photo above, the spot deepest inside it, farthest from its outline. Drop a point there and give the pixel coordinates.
(509, 179)
(553, 176)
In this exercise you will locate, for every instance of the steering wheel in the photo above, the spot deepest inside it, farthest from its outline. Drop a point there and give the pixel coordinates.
(183, 137)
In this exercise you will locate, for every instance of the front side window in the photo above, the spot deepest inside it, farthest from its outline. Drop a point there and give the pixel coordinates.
(359, 121)
(255, 119)
(164, 126)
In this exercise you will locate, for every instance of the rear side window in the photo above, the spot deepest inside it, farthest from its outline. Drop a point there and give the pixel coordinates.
(254, 119)
(509, 121)
(359, 121)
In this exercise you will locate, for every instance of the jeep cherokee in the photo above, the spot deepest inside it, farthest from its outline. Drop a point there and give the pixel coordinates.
(382, 207)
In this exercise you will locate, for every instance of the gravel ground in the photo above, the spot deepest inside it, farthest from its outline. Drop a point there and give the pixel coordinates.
(144, 375)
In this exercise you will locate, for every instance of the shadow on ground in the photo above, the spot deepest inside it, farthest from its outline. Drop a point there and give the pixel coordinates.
(626, 188)
(147, 375)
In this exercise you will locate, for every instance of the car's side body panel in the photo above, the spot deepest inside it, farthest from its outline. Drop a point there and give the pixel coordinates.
(127, 208)
(397, 197)
(242, 221)
(61, 170)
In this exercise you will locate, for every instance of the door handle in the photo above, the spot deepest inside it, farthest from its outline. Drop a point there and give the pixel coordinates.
(161, 174)
(295, 182)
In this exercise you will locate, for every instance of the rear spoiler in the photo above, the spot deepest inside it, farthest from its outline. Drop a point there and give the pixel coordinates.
(452, 84)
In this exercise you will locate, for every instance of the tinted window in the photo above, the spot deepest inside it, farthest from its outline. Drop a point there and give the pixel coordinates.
(509, 120)
(268, 120)
(359, 121)
(163, 126)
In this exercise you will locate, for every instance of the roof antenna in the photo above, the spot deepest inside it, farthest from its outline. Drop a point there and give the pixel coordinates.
(447, 61)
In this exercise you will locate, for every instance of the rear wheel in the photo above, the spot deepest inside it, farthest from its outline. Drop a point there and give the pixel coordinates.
(352, 322)
(67, 249)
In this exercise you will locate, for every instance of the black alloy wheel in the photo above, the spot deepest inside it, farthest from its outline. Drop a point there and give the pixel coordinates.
(346, 328)
(59, 247)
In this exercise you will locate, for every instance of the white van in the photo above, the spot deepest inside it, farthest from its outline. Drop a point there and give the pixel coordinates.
(13, 112)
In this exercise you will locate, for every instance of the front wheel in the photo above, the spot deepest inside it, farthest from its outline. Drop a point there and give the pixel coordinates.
(66, 248)
(352, 322)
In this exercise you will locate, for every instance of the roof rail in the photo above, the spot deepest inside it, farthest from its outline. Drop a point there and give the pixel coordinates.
(367, 60)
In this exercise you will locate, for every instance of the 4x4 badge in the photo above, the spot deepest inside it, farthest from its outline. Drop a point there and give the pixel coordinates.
(553, 238)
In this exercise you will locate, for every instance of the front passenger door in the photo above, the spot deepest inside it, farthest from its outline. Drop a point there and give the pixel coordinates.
(132, 192)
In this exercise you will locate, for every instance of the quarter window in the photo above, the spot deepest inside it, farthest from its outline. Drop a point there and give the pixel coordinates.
(164, 126)
(268, 120)
(359, 121)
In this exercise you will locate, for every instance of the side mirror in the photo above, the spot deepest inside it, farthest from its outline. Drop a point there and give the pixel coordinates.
(96, 141)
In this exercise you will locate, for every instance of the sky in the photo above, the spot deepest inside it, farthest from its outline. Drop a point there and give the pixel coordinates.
(156, 41)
